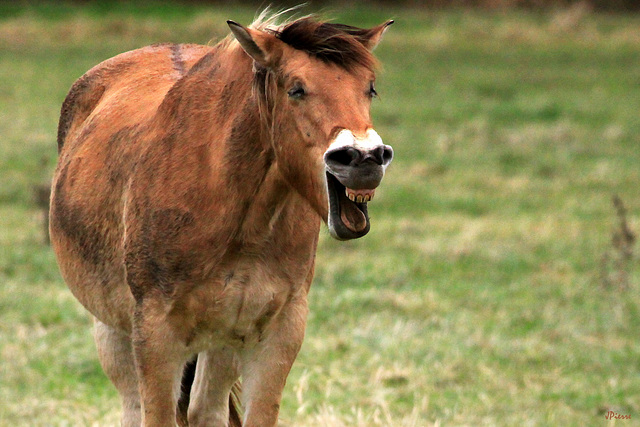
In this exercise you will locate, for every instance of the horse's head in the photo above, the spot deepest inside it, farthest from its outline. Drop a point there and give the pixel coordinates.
(316, 81)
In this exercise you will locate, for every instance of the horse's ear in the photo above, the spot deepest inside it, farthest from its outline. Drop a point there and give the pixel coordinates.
(263, 47)
(374, 35)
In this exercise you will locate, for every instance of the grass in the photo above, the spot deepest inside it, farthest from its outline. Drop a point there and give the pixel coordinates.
(477, 297)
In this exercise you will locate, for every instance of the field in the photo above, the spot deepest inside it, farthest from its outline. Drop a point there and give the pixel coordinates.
(496, 287)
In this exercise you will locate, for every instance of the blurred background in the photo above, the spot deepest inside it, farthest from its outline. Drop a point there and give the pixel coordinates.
(500, 282)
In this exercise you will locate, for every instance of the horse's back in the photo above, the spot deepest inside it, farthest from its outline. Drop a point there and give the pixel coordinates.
(100, 138)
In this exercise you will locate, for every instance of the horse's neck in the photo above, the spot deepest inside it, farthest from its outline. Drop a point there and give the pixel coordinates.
(250, 164)
(240, 151)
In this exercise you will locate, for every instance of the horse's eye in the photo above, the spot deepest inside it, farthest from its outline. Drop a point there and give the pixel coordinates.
(372, 90)
(296, 92)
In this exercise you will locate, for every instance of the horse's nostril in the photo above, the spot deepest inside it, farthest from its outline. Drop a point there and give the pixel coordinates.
(378, 155)
(345, 156)
(387, 155)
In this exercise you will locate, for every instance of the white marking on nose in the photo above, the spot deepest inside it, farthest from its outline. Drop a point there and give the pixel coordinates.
(346, 138)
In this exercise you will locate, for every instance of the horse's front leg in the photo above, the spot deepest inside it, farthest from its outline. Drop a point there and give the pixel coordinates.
(266, 366)
(160, 358)
(216, 372)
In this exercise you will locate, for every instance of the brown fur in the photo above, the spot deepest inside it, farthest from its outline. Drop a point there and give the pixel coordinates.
(186, 207)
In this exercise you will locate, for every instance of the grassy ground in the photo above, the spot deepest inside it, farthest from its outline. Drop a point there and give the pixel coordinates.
(490, 290)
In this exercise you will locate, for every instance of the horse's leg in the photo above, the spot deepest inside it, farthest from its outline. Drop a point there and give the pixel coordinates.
(216, 372)
(116, 358)
(160, 359)
(266, 367)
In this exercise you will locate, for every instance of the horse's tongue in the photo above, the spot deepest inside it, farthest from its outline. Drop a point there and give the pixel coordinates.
(353, 217)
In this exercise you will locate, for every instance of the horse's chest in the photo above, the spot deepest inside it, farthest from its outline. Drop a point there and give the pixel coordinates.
(239, 310)
(253, 300)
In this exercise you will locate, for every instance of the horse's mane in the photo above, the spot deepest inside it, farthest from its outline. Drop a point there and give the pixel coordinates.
(338, 44)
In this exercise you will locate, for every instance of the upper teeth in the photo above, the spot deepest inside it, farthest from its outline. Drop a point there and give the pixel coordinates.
(359, 196)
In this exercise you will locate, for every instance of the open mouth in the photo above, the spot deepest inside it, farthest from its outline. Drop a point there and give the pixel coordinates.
(348, 217)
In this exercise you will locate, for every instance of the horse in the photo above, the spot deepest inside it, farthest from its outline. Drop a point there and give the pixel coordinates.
(191, 185)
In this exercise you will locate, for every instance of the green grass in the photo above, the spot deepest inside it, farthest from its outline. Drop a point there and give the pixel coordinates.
(476, 299)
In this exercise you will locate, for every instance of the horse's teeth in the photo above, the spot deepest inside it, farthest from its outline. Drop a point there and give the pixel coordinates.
(359, 196)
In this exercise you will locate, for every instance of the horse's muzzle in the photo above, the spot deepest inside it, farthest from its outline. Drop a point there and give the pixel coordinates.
(354, 168)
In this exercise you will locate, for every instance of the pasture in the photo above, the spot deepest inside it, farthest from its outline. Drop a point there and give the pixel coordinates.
(496, 286)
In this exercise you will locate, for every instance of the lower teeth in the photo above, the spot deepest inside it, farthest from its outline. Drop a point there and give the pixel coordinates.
(359, 198)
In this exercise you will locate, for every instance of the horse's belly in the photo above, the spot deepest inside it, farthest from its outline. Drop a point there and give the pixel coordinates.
(88, 247)
(100, 288)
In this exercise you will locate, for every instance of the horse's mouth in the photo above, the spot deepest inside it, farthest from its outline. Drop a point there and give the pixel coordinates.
(348, 216)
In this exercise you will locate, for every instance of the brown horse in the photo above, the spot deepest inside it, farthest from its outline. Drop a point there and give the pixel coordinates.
(187, 202)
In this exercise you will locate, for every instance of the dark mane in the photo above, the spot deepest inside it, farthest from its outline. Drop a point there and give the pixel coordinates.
(338, 44)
